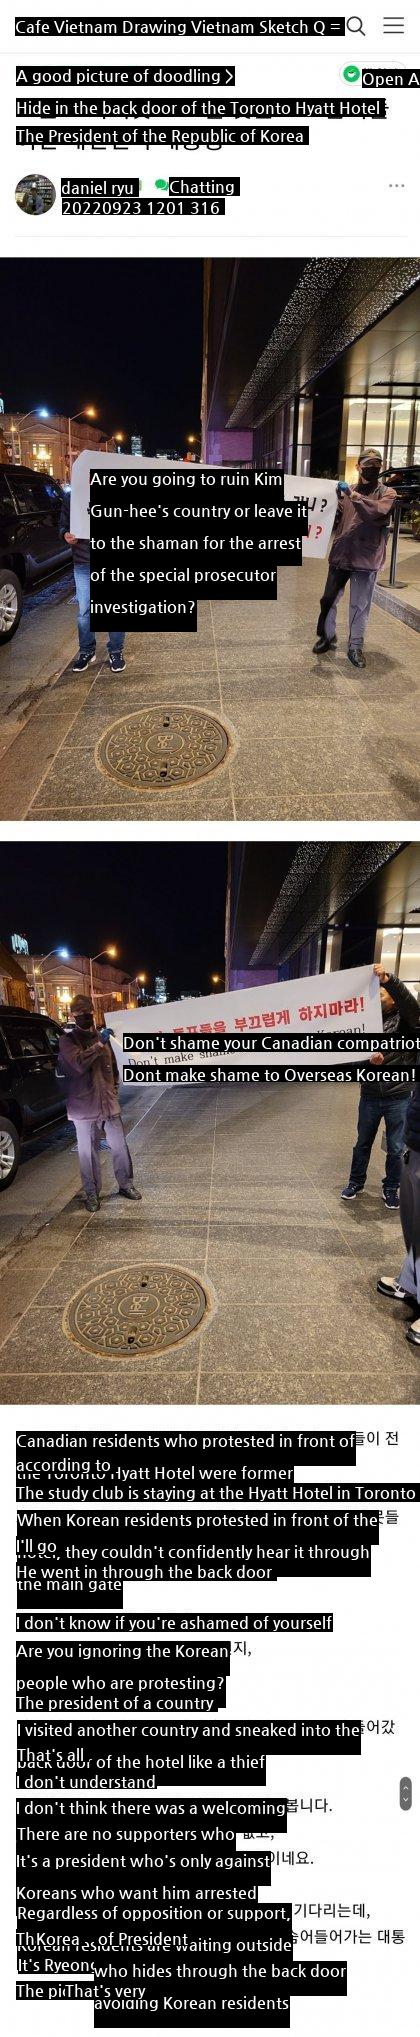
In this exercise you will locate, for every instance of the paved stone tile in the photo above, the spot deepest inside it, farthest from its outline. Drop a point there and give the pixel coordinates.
(165, 1383)
(246, 1191)
(314, 739)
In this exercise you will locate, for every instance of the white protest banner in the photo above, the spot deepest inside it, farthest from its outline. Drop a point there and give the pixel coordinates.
(321, 496)
(347, 1000)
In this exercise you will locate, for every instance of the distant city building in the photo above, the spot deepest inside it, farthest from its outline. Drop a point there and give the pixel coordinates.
(161, 990)
(53, 983)
(44, 443)
(137, 447)
(165, 455)
(19, 944)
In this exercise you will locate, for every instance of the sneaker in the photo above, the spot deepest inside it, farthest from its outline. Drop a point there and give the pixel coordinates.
(116, 661)
(84, 659)
(391, 1289)
(348, 1194)
(131, 1193)
(391, 1198)
(413, 1334)
(356, 658)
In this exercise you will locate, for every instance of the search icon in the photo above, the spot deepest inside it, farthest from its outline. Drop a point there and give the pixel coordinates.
(355, 24)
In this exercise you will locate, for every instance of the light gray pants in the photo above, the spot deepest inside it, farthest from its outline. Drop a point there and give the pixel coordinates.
(88, 1134)
(361, 597)
(410, 1220)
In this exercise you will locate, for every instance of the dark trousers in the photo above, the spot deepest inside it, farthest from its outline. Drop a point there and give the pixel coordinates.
(410, 1221)
(336, 581)
(371, 1110)
(88, 1134)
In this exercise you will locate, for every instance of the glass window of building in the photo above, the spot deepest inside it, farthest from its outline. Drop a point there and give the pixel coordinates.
(399, 433)
(355, 434)
(410, 958)
(390, 949)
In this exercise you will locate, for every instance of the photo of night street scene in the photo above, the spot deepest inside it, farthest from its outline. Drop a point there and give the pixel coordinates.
(215, 1244)
(301, 708)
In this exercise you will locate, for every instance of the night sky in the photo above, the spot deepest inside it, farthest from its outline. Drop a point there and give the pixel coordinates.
(162, 904)
(124, 336)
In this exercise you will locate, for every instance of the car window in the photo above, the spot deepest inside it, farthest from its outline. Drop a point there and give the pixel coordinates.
(25, 495)
(52, 1034)
(26, 1042)
(4, 1057)
(53, 491)
(5, 495)
(47, 494)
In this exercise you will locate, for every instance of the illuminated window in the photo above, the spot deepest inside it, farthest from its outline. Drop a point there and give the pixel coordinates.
(368, 424)
(409, 967)
(399, 433)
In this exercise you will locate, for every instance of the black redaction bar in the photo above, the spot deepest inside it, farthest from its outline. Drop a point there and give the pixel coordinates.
(390, 76)
(224, 1042)
(196, 25)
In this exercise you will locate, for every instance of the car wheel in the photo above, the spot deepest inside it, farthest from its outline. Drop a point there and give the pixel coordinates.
(9, 1152)
(11, 602)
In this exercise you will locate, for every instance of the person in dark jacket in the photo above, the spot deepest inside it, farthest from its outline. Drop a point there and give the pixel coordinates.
(406, 1287)
(88, 1066)
(357, 553)
(401, 1016)
(81, 569)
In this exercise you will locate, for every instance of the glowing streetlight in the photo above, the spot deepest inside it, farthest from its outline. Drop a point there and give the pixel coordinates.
(88, 411)
(64, 954)
(111, 951)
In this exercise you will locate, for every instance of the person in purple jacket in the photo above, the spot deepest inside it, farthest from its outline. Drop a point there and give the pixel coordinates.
(88, 1067)
(357, 554)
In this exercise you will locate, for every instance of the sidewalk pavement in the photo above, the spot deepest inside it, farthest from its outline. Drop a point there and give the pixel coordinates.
(35, 656)
(313, 738)
(403, 600)
(241, 1188)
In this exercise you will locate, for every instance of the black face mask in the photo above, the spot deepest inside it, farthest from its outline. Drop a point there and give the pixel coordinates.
(84, 1022)
(369, 476)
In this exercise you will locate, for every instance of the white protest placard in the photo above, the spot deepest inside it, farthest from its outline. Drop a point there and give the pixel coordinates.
(320, 495)
(347, 1000)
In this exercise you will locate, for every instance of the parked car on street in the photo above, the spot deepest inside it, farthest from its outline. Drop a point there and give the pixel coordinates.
(406, 480)
(30, 543)
(31, 1097)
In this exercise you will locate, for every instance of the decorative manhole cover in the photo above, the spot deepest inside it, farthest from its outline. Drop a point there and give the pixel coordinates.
(135, 1310)
(161, 746)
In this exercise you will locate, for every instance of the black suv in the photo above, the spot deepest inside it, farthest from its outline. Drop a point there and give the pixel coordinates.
(30, 542)
(31, 1096)
(406, 480)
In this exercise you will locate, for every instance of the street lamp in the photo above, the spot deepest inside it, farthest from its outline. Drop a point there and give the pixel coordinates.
(112, 953)
(64, 955)
(16, 428)
(87, 412)
(216, 980)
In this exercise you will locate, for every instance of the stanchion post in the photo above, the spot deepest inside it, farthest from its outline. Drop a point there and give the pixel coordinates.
(394, 546)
